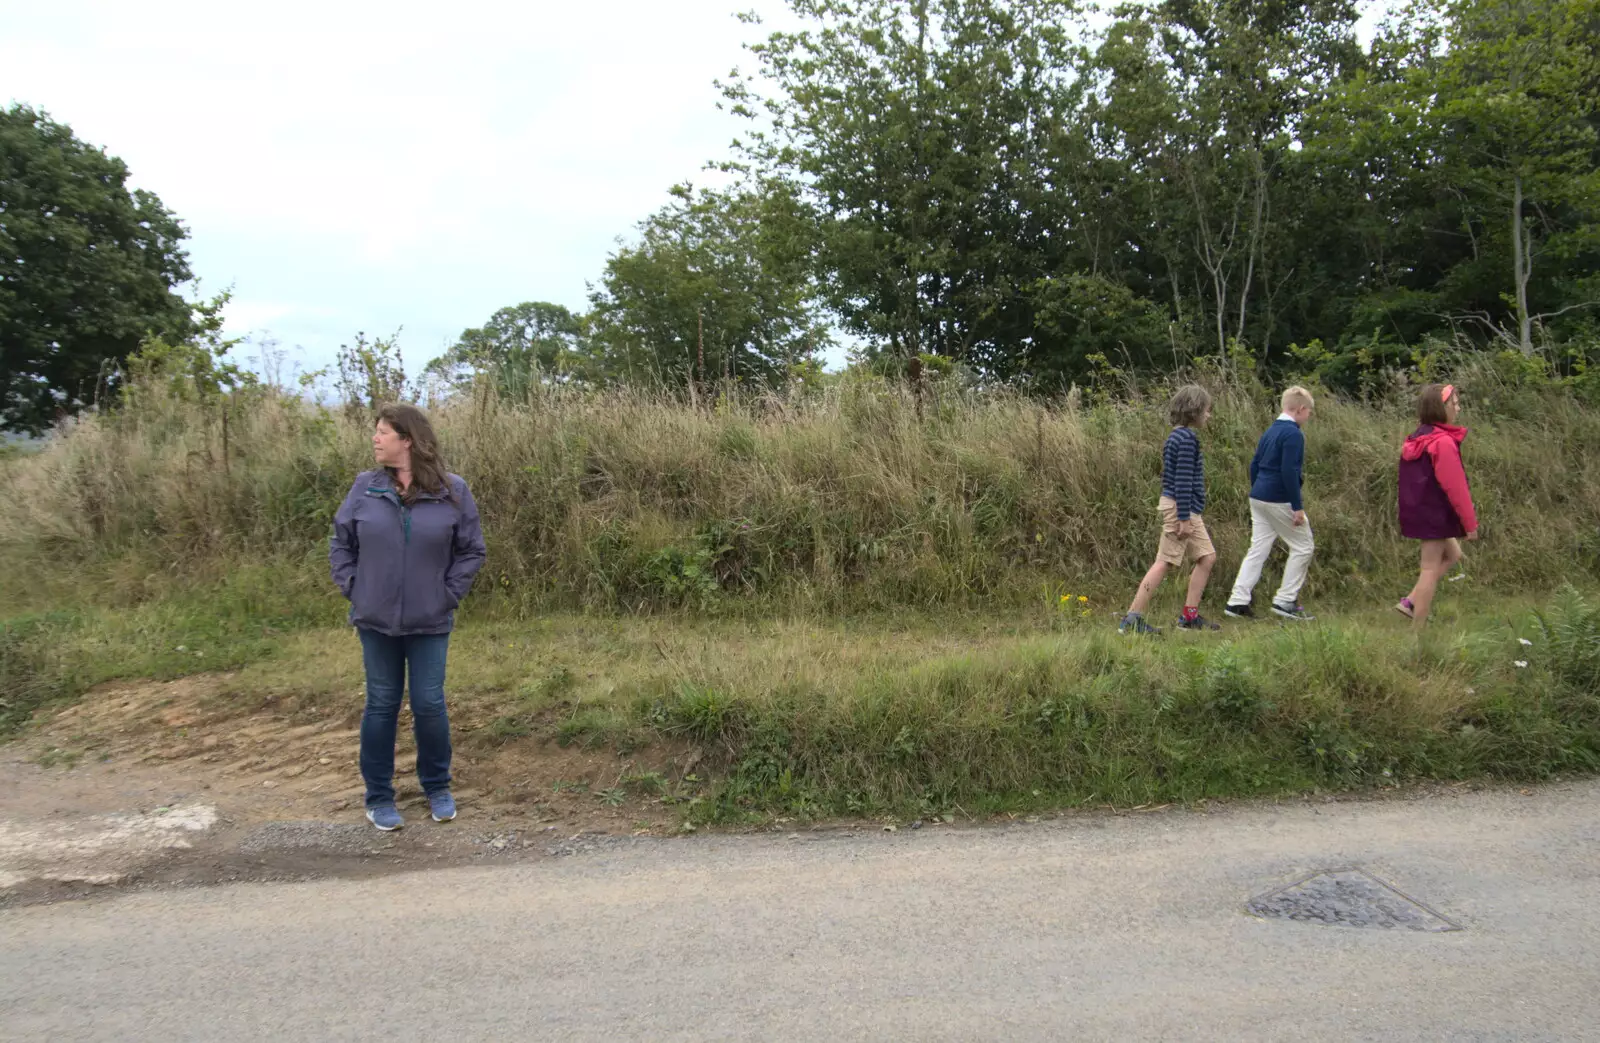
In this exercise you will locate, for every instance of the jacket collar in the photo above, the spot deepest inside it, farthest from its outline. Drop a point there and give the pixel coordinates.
(1449, 431)
(1430, 434)
(382, 482)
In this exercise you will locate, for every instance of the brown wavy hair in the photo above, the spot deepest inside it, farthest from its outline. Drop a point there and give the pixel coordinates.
(1188, 406)
(428, 472)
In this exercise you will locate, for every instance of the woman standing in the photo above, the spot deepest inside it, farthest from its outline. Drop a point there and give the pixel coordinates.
(406, 545)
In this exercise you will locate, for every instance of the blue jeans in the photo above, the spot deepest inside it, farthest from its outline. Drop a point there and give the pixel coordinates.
(387, 659)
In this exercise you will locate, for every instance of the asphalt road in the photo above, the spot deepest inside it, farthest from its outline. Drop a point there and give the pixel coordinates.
(1129, 927)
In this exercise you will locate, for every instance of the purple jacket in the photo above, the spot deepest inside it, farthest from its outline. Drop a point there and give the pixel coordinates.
(405, 569)
(1435, 500)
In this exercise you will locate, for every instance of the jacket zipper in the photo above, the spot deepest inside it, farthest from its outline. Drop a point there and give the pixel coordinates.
(390, 496)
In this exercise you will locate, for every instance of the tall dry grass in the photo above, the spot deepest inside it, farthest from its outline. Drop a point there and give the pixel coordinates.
(850, 499)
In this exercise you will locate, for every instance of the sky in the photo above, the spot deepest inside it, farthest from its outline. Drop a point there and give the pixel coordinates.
(353, 166)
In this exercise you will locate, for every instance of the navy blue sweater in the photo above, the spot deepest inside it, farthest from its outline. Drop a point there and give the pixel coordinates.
(1275, 471)
(1183, 472)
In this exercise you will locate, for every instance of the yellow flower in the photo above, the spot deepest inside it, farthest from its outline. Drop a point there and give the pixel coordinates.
(1066, 598)
(1082, 599)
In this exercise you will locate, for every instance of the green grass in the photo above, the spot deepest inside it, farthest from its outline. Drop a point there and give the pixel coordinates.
(962, 713)
(55, 656)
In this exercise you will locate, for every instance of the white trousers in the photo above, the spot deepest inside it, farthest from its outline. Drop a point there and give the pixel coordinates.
(1269, 523)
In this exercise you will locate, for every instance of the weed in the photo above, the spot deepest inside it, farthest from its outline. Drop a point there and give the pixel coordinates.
(1571, 633)
(1231, 691)
(701, 712)
(590, 727)
(510, 726)
(56, 757)
(648, 783)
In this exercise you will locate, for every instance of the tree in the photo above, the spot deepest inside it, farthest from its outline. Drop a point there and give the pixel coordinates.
(1470, 147)
(519, 348)
(917, 131)
(370, 374)
(719, 285)
(1084, 316)
(87, 270)
(1196, 117)
(1515, 104)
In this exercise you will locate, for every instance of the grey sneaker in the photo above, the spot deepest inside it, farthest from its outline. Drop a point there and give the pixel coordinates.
(1132, 624)
(443, 806)
(1292, 611)
(1239, 611)
(1197, 623)
(386, 818)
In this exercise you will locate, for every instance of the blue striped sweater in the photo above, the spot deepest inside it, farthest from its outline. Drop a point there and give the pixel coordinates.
(1183, 472)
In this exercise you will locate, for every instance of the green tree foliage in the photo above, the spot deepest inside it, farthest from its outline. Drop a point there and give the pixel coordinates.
(920, 133)
(1023, 189)
(1515, 102)
(87, 270)
(1195, 126)
(518, 349)
(718, 286)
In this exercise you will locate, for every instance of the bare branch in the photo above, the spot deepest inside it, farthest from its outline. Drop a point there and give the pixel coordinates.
(1562, 311)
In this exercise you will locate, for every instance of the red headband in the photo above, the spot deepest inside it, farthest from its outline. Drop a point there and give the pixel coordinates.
(1449, 389)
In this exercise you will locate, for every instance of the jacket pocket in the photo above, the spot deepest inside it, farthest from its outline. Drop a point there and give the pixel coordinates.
(374, 598)
(429, 603)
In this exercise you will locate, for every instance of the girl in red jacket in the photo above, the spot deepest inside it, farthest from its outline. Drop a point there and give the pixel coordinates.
(1435, 502)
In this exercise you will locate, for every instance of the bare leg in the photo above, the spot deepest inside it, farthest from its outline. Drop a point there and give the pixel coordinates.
(1435, 556)
(1147, 587)
(1198, 579)
(1451, 554)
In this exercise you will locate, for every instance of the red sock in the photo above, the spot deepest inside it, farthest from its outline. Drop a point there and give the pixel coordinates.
(1191, 611)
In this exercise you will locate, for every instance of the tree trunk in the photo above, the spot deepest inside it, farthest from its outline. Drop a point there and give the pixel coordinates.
(1259, 173)
(914, 367)
(1522, 262)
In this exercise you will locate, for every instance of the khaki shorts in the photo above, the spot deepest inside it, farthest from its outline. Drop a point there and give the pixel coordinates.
(1173, 547)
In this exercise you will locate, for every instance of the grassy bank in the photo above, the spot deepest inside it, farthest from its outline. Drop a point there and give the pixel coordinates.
(849, 608)
(916, 715)
(843, 501)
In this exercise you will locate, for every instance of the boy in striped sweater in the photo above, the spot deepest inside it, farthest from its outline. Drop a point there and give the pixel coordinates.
(1183, 530)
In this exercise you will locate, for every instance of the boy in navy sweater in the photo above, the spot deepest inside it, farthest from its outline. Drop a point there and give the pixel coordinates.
(1276, 512)
(1183, 530)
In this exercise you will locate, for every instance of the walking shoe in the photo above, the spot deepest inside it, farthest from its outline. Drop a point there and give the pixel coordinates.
(1132, 624)
(443, 806)
(1197, 623)
(1292, 611)
(1239, 611)
(386, 818)
(1405, 608)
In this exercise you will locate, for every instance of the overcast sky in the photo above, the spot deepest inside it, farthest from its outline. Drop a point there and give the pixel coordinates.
(361, 166)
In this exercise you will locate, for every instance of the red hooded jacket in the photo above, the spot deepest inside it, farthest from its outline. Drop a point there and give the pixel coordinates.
(1435, 501)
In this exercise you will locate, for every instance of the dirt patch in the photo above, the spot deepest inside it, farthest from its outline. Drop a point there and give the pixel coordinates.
(280, 775)
(275, 757)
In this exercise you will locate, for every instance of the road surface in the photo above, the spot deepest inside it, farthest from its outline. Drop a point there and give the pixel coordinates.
(1083, 928)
